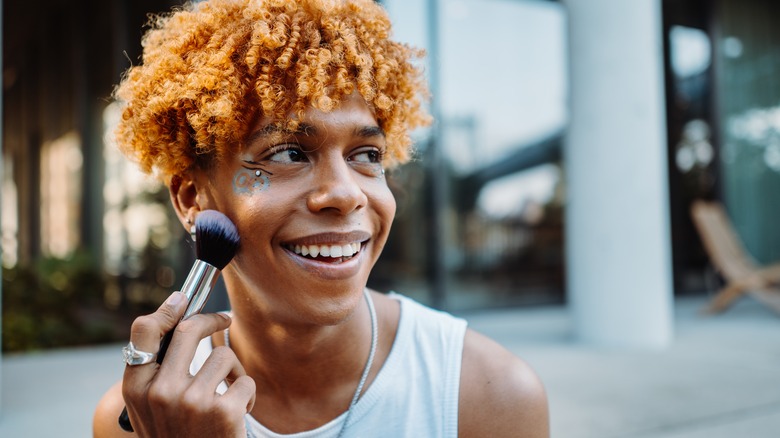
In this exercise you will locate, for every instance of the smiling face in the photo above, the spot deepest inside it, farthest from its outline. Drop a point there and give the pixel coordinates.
(312, 208)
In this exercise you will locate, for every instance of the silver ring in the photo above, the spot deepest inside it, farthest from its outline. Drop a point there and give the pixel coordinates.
(132, 356)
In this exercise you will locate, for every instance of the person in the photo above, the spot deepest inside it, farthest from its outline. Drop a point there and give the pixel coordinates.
(284, 116)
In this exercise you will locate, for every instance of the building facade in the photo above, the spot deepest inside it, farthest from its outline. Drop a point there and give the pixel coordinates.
(484, 213)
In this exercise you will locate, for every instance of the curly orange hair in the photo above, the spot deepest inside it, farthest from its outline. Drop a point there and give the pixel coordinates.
(210, 68)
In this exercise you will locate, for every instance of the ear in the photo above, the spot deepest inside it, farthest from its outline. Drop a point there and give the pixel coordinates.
(184, 198)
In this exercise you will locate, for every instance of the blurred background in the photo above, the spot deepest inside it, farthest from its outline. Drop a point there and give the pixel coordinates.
(88, 243)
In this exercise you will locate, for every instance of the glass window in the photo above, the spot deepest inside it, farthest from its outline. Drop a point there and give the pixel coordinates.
(747, 63)
(496, 194)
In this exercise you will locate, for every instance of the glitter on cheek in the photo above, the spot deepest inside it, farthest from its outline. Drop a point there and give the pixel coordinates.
(247, 182)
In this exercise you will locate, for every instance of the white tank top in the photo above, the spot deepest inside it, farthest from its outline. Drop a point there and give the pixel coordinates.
(415, 393)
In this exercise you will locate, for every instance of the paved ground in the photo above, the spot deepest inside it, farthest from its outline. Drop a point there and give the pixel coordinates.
(721, 378)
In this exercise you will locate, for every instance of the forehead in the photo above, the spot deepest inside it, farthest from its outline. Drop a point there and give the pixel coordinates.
(351, 114)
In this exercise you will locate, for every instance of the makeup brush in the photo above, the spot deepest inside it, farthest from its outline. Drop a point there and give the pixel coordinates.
(216, 242)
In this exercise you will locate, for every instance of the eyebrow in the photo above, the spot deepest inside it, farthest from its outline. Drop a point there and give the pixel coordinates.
(266, 131)
(369, 131)
(309, 130)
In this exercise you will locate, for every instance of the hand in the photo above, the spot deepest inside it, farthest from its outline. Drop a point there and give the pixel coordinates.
(165, 400)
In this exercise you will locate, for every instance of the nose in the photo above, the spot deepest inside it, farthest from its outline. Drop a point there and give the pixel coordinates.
(335, 188)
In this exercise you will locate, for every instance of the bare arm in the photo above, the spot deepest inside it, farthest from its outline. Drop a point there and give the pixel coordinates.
(500, 395)
(104, 421)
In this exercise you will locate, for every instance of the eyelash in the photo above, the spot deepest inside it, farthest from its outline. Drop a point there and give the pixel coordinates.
(379, 152)
(380, 155)
(285, 147)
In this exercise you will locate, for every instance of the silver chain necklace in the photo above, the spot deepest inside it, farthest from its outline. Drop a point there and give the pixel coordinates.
(366, 369)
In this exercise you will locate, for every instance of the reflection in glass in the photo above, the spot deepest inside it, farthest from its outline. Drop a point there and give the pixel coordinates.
(749, 105)
(139, 254)
(501, 115)
(61, 167)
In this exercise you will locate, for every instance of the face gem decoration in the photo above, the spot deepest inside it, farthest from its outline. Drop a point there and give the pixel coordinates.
(249, 181)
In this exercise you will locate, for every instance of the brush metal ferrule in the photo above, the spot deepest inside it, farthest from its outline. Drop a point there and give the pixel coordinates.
(198, 285)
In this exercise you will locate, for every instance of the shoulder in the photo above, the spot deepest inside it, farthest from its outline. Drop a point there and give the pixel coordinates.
(414, 311)
(104, 420)
(500, 395)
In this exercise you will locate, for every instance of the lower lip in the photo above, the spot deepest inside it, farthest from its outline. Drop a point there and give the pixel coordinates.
(329, 270)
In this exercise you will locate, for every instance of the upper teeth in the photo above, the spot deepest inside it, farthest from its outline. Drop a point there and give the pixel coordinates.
(347, 250)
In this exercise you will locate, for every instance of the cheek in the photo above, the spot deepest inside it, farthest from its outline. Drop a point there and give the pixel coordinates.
(257, 222)
(384, 204)
(391, 205)
(251, 201)
(247, 182)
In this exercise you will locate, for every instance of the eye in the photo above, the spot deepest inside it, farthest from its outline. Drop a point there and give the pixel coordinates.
(288, 153)
(371, 155)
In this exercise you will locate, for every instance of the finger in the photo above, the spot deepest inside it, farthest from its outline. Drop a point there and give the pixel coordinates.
(147, 331)
(186, 337)
(242, 384)
(241, 394)
(221, 365)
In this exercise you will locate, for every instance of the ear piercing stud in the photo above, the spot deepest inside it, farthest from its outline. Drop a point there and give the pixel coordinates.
(192, 228)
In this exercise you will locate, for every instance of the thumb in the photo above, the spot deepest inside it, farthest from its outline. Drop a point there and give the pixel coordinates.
(171, 311)
(147, 330)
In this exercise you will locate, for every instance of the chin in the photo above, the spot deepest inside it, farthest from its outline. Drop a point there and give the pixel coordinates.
(336, 308)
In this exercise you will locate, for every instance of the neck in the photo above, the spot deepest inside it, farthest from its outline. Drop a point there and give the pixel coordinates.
(305, 376)
(302, 361)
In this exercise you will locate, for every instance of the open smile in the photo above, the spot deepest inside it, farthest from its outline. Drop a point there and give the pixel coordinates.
(328, 253)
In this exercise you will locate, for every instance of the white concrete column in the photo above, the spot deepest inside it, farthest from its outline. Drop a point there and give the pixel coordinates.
(618, 248)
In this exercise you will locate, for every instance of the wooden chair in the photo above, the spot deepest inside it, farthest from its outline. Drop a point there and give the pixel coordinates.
(742, 274)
